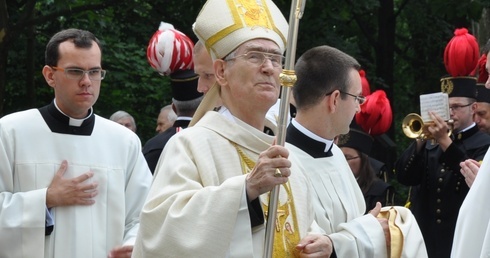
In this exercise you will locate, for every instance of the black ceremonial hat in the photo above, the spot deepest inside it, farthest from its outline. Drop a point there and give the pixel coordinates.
(357, 139)
(184, 85)
(483, 94)
(461, 86)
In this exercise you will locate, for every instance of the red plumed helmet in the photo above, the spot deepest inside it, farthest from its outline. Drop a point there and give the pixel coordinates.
(169, 50)
(366, 89)
(482, 71)
(375, 116)
(461, 54)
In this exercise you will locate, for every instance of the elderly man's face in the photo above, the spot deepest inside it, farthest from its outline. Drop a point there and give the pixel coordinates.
(482, 116)
(250, 85)
(163, 123)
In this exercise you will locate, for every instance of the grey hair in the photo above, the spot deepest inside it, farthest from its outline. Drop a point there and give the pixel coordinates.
(122, 114)
(171, 116)
(188, 107)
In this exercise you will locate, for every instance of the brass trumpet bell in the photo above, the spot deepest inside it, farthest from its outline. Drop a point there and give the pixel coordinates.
(413, 127)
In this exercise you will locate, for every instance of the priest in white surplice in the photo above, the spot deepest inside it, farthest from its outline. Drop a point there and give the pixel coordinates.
(327, 94)
(89, 206)
(472, 233)
(212, 181)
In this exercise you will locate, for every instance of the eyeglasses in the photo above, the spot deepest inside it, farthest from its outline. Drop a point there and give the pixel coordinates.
(351, 158)
(258, 58)
(77, 74)
(457, 107)
(360, 99)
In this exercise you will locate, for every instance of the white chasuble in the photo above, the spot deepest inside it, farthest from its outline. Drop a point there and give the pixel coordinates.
(197, 205)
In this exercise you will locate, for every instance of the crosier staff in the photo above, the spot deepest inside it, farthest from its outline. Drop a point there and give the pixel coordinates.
(287, 78)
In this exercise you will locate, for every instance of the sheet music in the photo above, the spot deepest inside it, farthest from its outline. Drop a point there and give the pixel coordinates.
(435, 102)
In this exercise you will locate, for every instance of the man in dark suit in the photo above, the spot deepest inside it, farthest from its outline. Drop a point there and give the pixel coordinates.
(185, 100)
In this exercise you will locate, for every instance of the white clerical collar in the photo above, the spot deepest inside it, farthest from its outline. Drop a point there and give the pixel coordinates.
(328, 143)
(73, 121)
(467, 128)
(184, 118)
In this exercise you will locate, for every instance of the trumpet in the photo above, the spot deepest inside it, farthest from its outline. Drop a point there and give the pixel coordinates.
(413, 127)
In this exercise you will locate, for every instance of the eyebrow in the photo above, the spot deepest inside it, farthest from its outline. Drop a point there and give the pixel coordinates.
(78, 67)
(262, 49)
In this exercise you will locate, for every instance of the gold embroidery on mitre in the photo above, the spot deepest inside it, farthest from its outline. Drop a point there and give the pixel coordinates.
(246, 13)
(447, 86)
(286, 236)
(253, 13)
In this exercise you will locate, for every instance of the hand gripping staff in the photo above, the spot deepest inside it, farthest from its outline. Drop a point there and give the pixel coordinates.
(287, 78)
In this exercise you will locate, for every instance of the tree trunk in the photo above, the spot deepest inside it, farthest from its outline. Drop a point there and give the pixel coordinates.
(385, 49)
(3, 52)
(482, 28)
(30, 66)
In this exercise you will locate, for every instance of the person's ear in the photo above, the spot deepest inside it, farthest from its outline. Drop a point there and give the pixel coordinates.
(473, 107)
(332, 101)
(48, 74)
(219, 71)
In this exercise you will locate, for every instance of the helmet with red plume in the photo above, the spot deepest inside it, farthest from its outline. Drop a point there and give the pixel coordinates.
(169, 52)
(375, 116)
(461, 59)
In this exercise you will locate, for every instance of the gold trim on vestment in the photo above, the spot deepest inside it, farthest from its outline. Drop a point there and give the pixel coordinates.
(287, 229)
(396, 236)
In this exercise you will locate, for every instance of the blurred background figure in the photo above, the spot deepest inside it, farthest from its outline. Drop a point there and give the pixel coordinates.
(383, 149)
(482, 112)
(125, 119)
(374, 118)
(166, 119)
(203, 66)
(356, 146)
(169, 52)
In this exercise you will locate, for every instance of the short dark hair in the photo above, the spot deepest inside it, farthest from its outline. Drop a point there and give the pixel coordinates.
(186, 107)
(81, 39)
(319, 71)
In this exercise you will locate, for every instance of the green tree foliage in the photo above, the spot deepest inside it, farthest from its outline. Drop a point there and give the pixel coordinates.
(399, 43)
(124, 28)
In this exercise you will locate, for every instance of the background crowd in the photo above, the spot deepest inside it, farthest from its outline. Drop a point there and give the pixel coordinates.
(439, 171)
